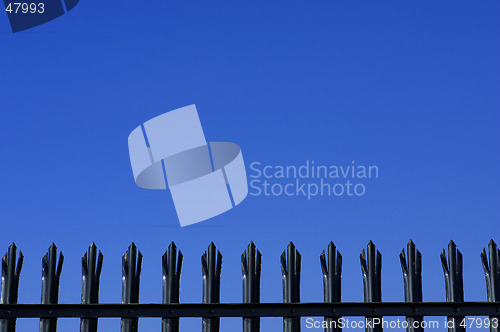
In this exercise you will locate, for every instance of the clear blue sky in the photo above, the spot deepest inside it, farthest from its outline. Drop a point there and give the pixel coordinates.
(412, 87)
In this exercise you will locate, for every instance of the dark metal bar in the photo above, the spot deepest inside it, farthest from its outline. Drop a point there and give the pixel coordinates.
(51, 274)
(250, 310)
(290, 269)
(91, 275)
(211, 268)
(412, 275)
(332, 273)
(171, 284)
(492, 274)
(131, 270)
(371, 266)
(251, 266)
(10, 284)
(453, 277)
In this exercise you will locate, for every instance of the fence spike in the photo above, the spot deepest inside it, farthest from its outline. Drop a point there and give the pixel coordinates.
(51, 274)
(453, 277)
(492, 275)
(371, 267)
(10, 284)
(91, 274)
(412, 276)
(332, 274)
(251, 263)
(290, 268)
(131, 271)
(211, 270)
(172, 267)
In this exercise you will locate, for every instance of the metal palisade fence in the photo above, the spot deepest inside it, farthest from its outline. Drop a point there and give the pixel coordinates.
(251, 309)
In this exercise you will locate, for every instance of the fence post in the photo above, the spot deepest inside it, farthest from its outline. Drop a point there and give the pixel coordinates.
(251, 265)
(91, 274)
(290, 269)
(10, 284)
(332, 273)
(453, 277)
(171, 284)
(492, 274)
(412, 276)
(211, 268)
(371, 266)
(131, 270)
(50, 285)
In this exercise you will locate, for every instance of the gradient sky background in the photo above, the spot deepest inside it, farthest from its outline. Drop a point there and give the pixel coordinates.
(412, 87)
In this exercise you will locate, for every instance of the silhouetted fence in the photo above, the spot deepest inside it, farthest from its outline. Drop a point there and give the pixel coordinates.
(332, 309)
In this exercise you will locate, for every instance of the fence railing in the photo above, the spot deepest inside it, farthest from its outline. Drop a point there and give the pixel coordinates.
(251, 310)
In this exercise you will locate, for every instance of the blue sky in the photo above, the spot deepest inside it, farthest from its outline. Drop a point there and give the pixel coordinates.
(412, 87)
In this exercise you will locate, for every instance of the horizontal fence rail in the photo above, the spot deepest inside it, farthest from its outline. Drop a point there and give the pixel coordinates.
(251, 309)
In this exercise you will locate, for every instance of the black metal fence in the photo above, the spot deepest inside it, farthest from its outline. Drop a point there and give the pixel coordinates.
(250, 310)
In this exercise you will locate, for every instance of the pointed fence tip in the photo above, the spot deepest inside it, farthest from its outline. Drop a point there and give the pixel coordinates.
(371, 243)
(492, 243)
(411, 243)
